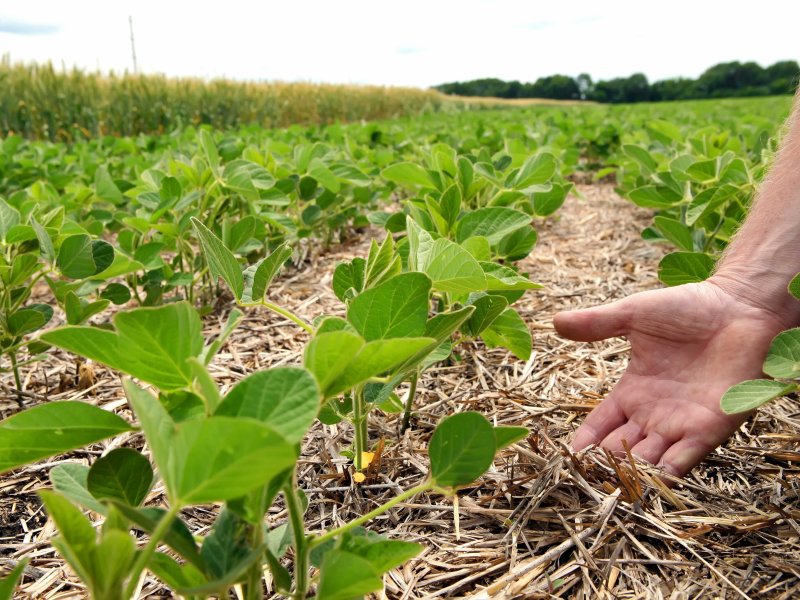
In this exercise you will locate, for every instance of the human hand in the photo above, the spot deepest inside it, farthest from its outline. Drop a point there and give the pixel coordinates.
(689, 344)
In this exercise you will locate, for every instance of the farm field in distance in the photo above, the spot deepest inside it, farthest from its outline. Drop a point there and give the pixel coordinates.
(319, 359)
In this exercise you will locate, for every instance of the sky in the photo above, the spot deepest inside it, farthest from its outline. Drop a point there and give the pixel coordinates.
(404, 43)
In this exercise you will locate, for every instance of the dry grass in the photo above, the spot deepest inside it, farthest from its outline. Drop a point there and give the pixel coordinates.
(541, 523)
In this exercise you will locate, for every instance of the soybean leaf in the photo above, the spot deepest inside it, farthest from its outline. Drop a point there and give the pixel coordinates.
(286, 398)
(487, 309)
(178, 537)
(676, 232)
(112, 561)
(748, 395)
(152, 344)
(9, 218)
(70, 480)
(123, 474)
(46, 248)
(76, 541)
(420, 243)
(794, 286)
(517, 244)
(105, 188)
(227, 545)
(259, 276)
(536, 170)
(80, 257)
(349, 275)
(493, 223)
(546, 203)
(175, 575)
(509, 331)
(408, 174)
(500, 278)
(157, 425)
(678, 268)
(8, 584)
(453, 269)
(222, 458)
(382, 553)
(344, 576)
(280, 574)
(783, 358)
(441, 326)
(53, 428)
(221, 261)
(650, 196)
(209, 352)
(397, 307)
(379, 357)
(461, 449)
(328, 354)
(506, 435)
(28, 319)
(450, 204)
(478, 246)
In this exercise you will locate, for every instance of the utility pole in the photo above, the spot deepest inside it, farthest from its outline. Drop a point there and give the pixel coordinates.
(133, 45)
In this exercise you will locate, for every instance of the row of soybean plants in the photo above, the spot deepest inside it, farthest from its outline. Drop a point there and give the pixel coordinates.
(434, 282)
(109, 220)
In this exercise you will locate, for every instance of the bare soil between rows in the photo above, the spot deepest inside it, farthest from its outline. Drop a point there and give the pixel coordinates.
(541, 522)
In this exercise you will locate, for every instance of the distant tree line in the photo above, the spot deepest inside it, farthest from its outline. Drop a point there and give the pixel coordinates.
(725, 80)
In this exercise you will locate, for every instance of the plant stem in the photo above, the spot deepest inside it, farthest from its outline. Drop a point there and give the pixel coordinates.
(144, 555)
(301, 541)
(254, 589)
(359, 426)
(412, 391)
(424, 487)
(15, 368)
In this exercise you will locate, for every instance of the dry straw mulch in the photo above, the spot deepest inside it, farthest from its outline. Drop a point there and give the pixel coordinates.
(542, 523)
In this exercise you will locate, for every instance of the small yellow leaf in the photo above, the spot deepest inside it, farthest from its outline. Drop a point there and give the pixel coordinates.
(366, 459)
(358, 476)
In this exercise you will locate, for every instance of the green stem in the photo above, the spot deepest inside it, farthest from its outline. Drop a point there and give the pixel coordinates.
(15, 368)
(283, 312)
(359, 426)
(424, 487)
(301, 541)
(144, 555)
(412, 391)
(254, 589)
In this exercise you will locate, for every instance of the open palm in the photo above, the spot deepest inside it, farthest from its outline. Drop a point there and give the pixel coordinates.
(688, 345)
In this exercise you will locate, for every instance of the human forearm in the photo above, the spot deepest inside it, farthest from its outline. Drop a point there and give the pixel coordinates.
(765, 253)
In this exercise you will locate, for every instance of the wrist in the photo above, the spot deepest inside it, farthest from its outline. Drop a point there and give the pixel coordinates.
(762, 288)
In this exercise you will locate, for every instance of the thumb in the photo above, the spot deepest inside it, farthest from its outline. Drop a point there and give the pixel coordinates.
(593, 324)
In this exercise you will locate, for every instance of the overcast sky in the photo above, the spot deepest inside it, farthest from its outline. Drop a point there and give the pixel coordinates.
(408, 42)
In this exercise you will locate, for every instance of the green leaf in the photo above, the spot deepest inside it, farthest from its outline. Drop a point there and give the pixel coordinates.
(509, 331)
(222, 458)
(379, 357)
(112, 561)
(70, 480)
(650, 196)
(46, 248)
(227, 546)
(461, 449)
(450, 204)
(749, 395)
(452, 269)
(409, 175)
(345, 576)
(783, 358)
(286, 398)
(77, 537)
(175, 575)
(536, 170)
(327, 356)
(678, 268)
(221, 261)
(676, 232)
(349, 275)
(382, 553)
(123, 474)
(152, 344)
(209, 352)
(116, 293)
(493, 223)
(487, 309)
(53, 428)
(420, 243)
(641, 156)
(794, 286)
(478, 246)
(441, 326)
(9, 217)
(30, 318)
(8, 584)
(105, 188)
(259, 276)
(157, 425)
(324, 175)
(396, 308)
(505, 435)
(517, 244)
(80, 257)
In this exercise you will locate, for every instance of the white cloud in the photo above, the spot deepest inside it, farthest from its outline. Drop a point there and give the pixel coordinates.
(405, 43)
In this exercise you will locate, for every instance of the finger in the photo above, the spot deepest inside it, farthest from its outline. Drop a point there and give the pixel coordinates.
(630, 432)
(601, 421)
(652, 448)
(594, 324)
(684, 455)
